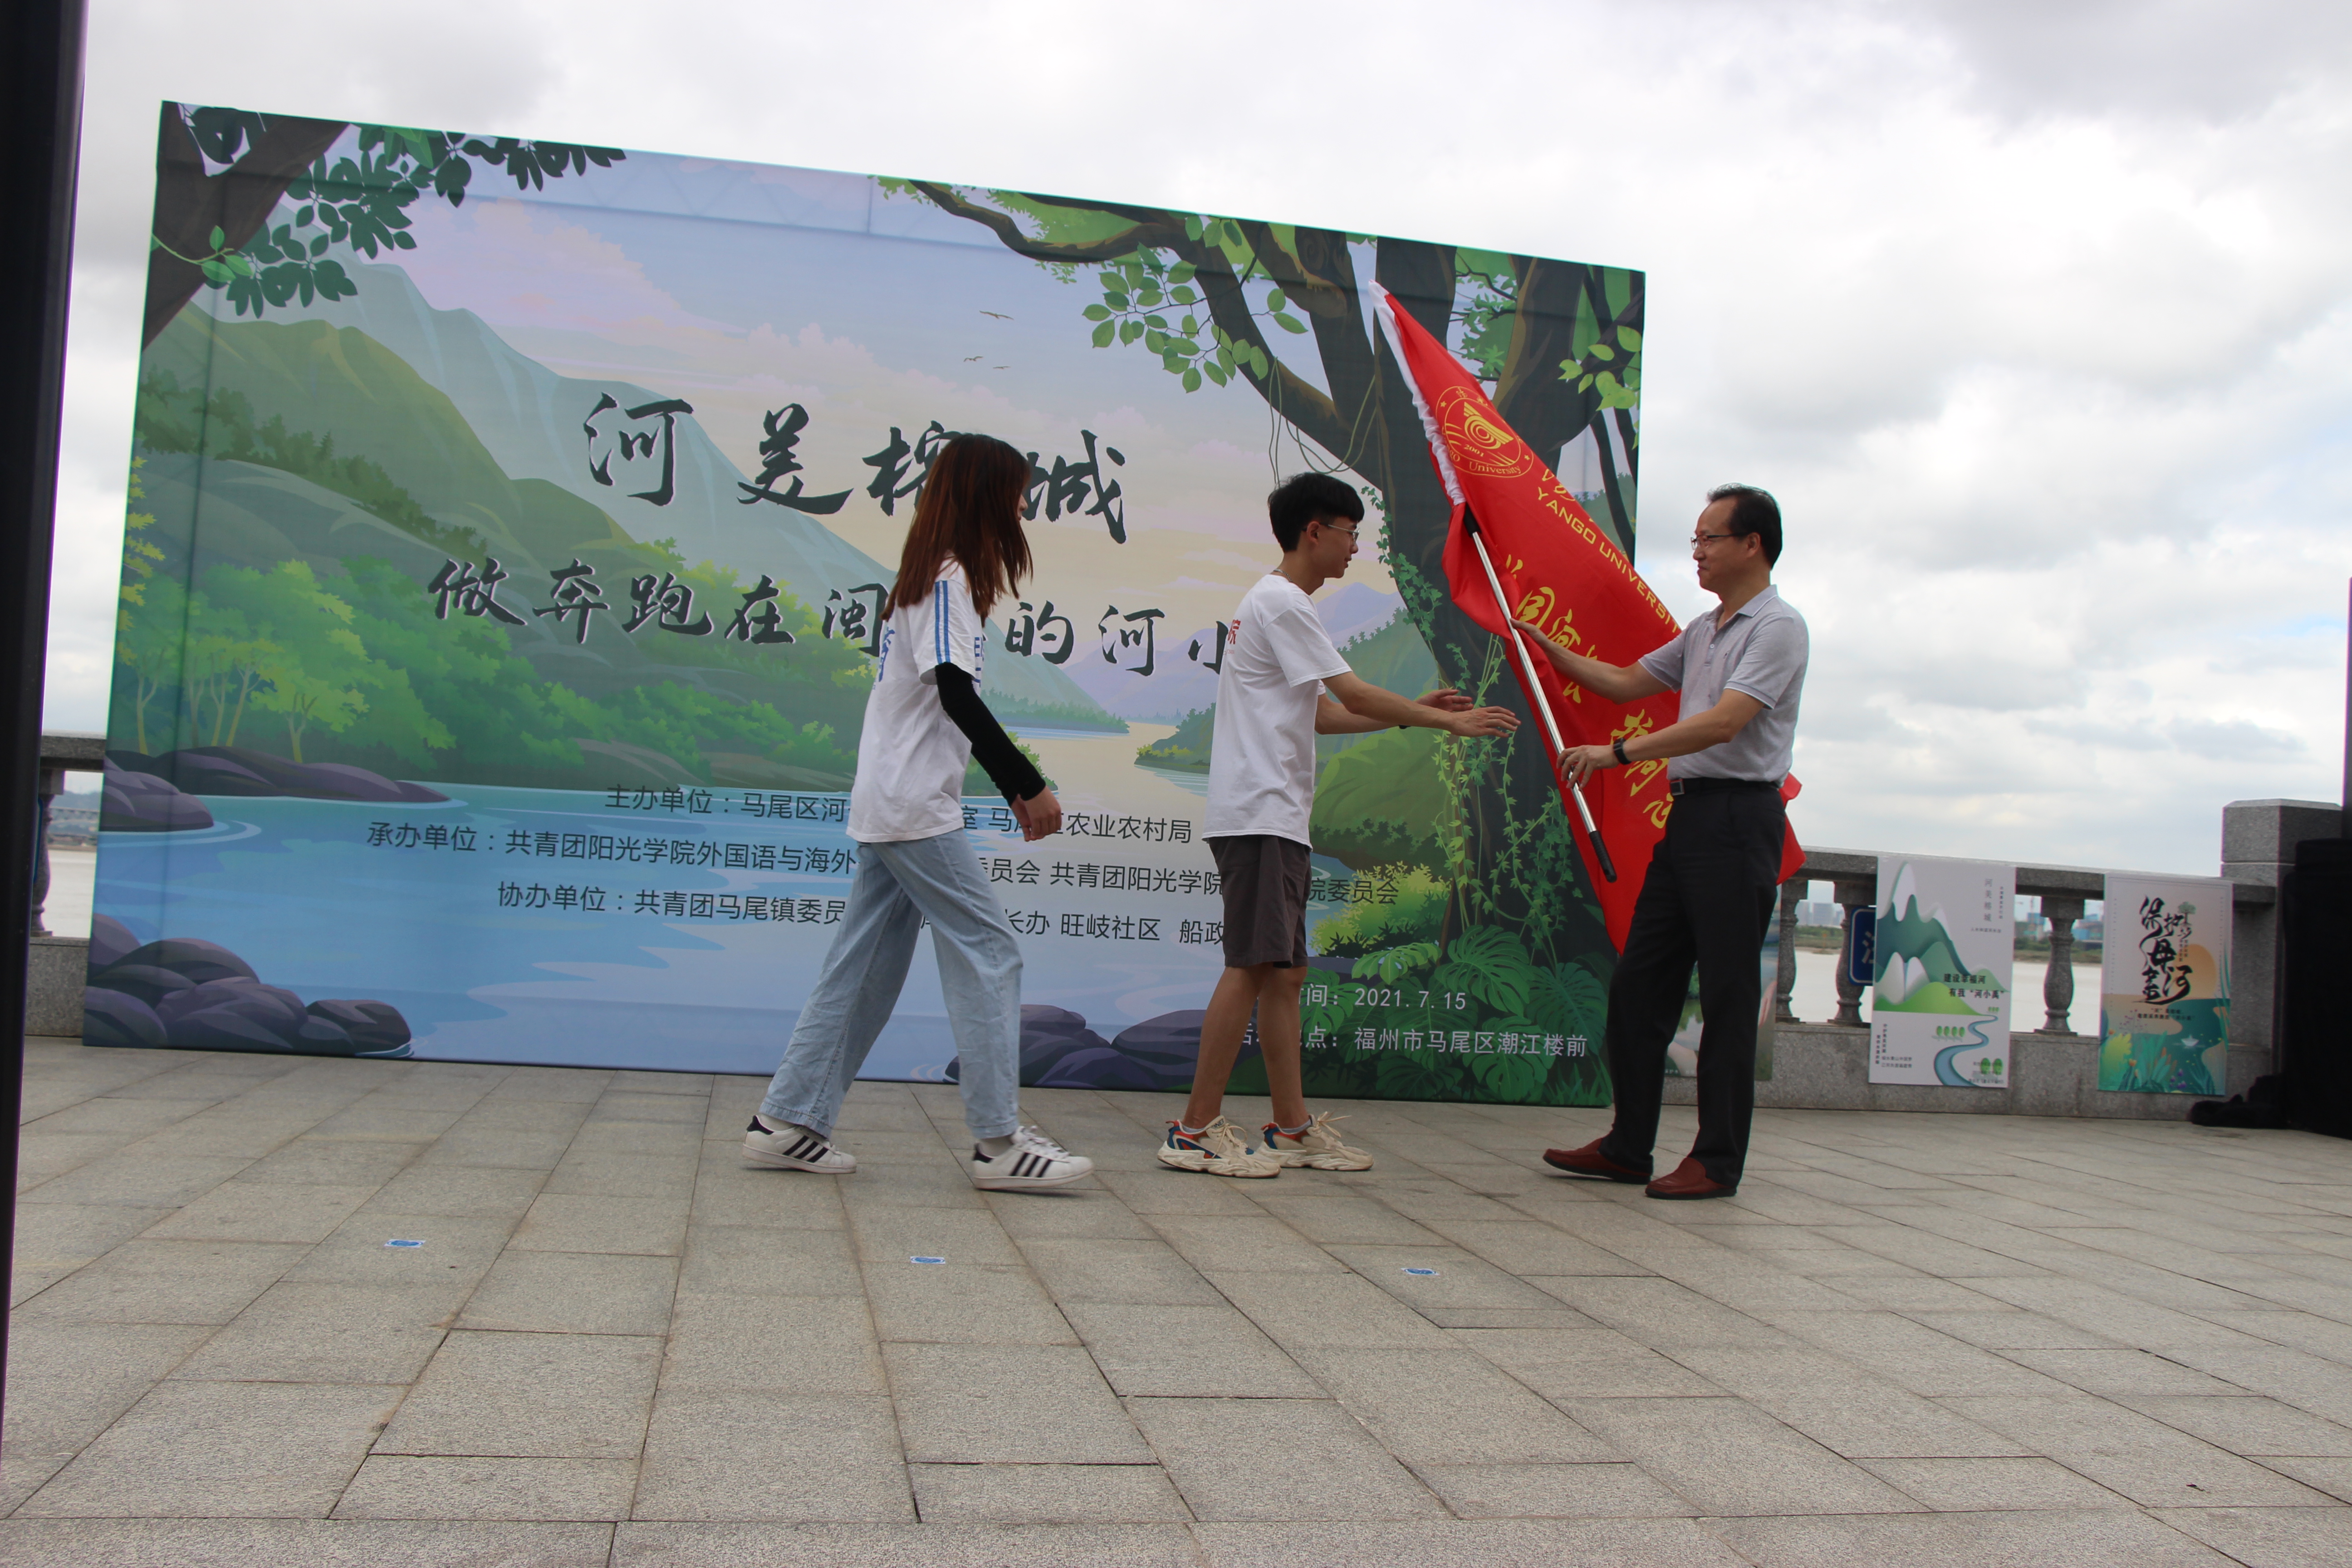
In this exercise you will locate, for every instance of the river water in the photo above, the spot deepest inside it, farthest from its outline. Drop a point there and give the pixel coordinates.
(545, 926)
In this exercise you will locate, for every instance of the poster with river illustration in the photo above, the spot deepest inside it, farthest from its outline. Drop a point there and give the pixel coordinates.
(507, 526)
(1945, 947)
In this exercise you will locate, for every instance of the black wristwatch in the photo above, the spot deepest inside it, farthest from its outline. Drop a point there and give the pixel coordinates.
(1618, 746)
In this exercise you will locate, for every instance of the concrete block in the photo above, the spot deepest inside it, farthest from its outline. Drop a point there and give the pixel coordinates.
(215, 1450)
(945, 1544)
(2259, 836)
(563, 1222)
(583, 1396)
(756, 1261)
(952, 1304)
(145, 1281)
(1278, 1459)
(401, 1486)
(2080, 1537)
(574, 1293)
(1552, 1492)
(1729, 1457)
(1450, 1407)
(735, 1455)
(1046, 1494)
(1093, 1269)
(779, 1346)
(1008, 1405)
(303, 1543)
(55, 972)
(1190, 1352)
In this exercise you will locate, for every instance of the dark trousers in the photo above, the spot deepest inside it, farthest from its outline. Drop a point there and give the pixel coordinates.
(1707, 899)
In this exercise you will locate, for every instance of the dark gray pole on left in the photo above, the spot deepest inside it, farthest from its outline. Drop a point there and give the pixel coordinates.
(40, 103)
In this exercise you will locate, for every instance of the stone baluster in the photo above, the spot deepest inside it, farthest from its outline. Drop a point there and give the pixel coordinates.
(1851, 896)
(1791, 893)
(52, 784)
(2058, 985)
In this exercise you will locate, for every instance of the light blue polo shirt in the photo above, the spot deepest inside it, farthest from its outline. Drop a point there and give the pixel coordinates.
(1761, 651)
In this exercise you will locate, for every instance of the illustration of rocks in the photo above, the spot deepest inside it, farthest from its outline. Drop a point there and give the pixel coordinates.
(1058, 1051)
(242, 771)
(145, 803)
(199, 995)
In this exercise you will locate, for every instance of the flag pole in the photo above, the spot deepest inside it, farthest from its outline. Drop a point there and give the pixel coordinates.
(1536, 692)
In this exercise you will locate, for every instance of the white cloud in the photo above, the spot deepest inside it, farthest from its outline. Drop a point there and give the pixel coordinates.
(2036, 316)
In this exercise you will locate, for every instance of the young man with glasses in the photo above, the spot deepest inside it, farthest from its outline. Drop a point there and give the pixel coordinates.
(1270, 707)
(1712, 882)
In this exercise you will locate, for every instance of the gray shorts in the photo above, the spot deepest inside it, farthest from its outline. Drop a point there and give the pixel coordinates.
(1265, 881)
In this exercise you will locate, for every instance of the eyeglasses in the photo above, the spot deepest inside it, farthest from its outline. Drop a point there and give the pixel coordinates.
(1334, 527)
(1701, 541)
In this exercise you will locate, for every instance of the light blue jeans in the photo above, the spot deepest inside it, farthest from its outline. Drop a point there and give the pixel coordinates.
(897, 887)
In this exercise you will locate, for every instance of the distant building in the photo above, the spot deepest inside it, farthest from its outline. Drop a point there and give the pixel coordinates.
(73, 819)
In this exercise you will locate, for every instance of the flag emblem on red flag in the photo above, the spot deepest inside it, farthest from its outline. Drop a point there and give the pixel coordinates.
(1559, 571)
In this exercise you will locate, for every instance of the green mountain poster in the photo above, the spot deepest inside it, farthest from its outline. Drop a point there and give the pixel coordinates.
(1939, 1005)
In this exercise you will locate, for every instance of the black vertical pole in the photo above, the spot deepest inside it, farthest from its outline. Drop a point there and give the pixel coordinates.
(40, 103)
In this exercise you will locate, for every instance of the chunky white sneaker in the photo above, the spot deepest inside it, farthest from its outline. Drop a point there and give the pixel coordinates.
(785, 1147)
(1217, 1150)
(1033, 1160)
(1317, 1147)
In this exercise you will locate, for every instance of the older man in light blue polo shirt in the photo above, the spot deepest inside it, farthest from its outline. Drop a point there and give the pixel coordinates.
(1708, 897)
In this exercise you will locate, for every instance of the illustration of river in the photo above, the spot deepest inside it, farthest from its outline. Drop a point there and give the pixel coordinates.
(558, 933)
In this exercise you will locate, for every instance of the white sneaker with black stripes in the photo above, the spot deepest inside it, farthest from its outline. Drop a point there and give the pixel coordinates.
(1033, 1160)
(782, 1146)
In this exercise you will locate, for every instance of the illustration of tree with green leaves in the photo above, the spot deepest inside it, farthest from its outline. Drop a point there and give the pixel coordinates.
(213, 230)
(1560, 344)
(150, 612)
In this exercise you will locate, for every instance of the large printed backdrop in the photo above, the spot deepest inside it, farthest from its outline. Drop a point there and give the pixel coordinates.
(508, 522)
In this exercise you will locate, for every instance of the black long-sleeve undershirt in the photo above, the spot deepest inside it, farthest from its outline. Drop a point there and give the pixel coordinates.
(1007, 769)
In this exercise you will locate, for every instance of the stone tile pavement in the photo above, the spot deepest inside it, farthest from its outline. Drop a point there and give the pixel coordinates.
(1910, 1339)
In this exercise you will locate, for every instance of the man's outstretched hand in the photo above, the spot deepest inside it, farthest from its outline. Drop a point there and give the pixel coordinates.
(1446, 697)
(1473, 722)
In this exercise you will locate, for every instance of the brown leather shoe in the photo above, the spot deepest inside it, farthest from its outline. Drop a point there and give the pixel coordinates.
(1690, 1180)
(1589, 1161)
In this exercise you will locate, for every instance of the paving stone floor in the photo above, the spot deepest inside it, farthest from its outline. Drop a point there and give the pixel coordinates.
(1910, 1339)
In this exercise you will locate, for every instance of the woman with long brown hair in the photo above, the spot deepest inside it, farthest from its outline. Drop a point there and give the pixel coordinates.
(925, 723)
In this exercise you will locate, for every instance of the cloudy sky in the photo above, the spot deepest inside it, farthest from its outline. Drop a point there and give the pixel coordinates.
(2037, 317)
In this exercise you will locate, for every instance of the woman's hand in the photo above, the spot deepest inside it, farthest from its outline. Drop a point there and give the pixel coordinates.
(1039, 816)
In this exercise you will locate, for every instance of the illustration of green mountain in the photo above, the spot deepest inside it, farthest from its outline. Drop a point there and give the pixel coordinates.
(342, 387)
(306, 489)
(1919, 962)
(528, 419)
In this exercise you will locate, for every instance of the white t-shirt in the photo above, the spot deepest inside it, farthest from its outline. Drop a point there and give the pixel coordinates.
(911, 758)
(1262, 763)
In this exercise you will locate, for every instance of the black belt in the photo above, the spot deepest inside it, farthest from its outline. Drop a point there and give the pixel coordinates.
(1710, 786)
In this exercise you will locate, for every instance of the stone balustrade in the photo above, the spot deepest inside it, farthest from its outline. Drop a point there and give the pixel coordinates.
(1825, 1064)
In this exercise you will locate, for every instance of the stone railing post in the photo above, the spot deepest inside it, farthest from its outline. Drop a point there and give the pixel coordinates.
(1791, 893)
(2058, 985)
(1851, 896)
(52, 784)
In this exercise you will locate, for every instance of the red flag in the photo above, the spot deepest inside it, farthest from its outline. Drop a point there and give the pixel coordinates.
(1561, 572)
